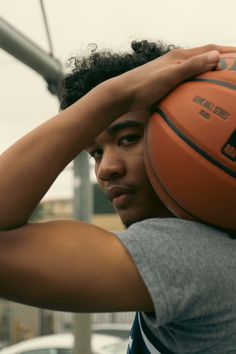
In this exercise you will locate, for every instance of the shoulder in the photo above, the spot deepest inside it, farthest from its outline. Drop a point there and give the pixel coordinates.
(176, 241)
(177, 258)
(171, 230)
(181, 261)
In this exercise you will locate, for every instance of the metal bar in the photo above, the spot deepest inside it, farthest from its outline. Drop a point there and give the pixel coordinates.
(25, 50)
(46, 27)
(83, 205)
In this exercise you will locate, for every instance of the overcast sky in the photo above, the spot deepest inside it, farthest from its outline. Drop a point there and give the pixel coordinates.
(25, 101)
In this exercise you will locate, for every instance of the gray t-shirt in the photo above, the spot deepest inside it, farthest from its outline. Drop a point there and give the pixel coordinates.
(190, 272)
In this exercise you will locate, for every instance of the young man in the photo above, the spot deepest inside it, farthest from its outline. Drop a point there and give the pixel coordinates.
(178, 275)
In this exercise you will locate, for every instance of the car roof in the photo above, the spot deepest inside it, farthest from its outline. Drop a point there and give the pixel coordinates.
(65, 340)
(121, 330)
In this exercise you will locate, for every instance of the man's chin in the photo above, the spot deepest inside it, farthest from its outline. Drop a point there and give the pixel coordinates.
(130, 220)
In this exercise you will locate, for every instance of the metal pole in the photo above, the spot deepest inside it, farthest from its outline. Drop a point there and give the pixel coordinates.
(46, 26)
(25, 50)
(82, 211)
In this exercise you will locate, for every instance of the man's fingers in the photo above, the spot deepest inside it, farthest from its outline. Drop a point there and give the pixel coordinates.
(162, 75)
(197, 65)
(220, 48)
(188, 53)
(173, 75)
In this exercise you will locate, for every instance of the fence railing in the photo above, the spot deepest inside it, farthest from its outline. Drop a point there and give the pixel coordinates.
(19, 322)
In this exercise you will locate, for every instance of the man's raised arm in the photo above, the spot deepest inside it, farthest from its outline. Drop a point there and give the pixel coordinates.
(30, 166)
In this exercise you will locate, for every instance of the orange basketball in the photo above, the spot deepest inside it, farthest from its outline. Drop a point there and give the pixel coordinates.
(190, 147)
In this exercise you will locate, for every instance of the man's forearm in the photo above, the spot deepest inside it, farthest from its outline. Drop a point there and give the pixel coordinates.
(31, 165)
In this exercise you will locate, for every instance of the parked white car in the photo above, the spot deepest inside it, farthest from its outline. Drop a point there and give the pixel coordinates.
(64, 343)
(115, 329)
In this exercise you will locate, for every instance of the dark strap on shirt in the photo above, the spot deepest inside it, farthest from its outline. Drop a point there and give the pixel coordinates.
(143, 341)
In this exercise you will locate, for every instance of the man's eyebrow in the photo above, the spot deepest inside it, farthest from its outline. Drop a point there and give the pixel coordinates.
(123, 125)
(119, 127)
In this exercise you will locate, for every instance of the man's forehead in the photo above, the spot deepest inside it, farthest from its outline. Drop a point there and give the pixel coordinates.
(132, 119)
(140, 115)
(123, 124)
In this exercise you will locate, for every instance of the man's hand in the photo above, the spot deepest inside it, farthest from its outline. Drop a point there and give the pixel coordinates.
(149, 83)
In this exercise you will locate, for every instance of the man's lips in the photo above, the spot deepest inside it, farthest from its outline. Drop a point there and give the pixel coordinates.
(119, 195)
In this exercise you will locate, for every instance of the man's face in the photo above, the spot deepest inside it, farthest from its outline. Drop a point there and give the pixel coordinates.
(120, 171)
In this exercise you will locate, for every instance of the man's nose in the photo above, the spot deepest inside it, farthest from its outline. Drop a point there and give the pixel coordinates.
(111, 166)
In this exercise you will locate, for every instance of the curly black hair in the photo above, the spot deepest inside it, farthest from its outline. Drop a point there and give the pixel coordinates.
(88, 72)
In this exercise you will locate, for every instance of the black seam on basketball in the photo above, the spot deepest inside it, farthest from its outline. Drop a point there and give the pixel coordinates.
(148, 155)
(194, 146)
(215, 82)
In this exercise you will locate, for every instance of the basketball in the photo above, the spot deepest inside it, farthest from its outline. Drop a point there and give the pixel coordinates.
(190, 148)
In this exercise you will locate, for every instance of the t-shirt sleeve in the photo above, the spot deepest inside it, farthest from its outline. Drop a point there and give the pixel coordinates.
(170, 264)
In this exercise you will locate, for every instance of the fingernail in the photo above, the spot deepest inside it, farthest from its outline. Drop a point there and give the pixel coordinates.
(213, 56)
(218, 66)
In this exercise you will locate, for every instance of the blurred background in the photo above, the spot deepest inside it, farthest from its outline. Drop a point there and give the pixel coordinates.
(74, 26)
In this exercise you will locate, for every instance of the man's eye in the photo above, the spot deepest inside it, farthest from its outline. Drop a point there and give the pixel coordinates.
(96, 154)
(129, 139)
